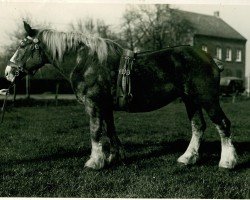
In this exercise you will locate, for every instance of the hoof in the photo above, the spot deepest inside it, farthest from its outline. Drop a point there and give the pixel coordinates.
(95, 164)
(117, 157)
(228, 158)
(114, 159)
(188, 159)
(228, 164)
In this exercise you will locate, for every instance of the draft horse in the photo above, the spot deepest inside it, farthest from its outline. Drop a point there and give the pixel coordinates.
(91, 64)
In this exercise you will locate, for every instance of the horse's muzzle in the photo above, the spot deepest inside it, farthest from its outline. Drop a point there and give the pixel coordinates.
(8, 73)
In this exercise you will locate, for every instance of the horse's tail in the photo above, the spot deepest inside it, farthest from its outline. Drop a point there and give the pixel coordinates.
(219, 64)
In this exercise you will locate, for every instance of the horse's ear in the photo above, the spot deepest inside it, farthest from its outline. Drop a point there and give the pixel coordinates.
(30, 32)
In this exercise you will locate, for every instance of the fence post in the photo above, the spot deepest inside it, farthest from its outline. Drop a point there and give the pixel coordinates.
(56, 96)
(234, 98)
(27, 87)
(14, 95)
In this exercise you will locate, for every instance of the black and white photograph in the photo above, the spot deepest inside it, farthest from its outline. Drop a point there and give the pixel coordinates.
(125, 99)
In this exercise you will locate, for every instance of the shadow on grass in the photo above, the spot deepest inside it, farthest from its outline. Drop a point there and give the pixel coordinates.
(58, 155)
(210, 152)
(144, 150)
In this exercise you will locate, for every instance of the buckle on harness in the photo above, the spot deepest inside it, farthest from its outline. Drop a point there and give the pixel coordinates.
(123, 89)
(124, 71)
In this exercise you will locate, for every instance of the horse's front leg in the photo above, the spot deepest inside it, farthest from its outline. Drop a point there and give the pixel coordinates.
(97, 158)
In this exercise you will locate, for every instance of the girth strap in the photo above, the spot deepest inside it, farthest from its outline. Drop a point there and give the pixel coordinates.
(123, 90)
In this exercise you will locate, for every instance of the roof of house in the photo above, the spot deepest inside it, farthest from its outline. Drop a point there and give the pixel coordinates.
(210, 25)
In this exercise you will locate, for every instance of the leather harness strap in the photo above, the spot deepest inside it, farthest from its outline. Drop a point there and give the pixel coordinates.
(123, 90)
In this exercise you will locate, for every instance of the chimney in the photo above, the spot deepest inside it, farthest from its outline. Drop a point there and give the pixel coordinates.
(217, 14)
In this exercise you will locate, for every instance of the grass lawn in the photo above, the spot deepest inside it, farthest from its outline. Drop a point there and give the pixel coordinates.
(43, 151)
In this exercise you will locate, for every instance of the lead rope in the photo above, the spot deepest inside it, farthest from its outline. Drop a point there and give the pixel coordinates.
(4, 102)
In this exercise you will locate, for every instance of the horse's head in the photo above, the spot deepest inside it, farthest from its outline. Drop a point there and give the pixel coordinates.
(28, 58)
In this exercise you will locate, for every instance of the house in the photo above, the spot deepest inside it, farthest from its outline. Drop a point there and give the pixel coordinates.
(216, 37)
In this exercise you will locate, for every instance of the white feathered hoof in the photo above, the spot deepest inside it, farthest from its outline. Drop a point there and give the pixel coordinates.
(188, 159)
(96, 163)
(228, 158)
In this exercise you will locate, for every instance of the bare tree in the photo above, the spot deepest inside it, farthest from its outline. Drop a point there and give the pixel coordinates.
(154, 27)
(93, 27)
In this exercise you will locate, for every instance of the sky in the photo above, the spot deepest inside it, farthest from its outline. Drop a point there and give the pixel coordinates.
(61, 12)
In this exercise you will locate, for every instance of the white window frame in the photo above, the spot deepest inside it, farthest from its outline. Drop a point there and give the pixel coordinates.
(219, 53)
(229, 54)
(238, 55)
(204, 48)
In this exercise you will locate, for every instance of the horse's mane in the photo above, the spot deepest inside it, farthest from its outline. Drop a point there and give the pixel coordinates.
(58, 43)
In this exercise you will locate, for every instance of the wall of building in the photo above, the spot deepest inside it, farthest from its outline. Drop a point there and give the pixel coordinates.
(233, 67)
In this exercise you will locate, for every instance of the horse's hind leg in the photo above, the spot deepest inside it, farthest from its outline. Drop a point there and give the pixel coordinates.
(198, 125)
(222, 123)
(116, 151)
(97, 158)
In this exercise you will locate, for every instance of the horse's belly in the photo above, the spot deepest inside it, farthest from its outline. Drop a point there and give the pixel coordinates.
(145, 100)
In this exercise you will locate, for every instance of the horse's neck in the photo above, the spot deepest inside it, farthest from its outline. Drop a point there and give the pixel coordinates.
(65, 66)
(77, 58)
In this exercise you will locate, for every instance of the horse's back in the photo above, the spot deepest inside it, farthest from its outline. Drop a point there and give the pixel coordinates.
(160, 77)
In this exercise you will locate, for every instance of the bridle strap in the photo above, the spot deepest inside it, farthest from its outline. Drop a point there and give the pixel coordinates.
(19, 69)
(22, 69)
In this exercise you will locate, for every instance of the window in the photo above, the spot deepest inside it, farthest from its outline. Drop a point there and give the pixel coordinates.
(229, 54)
(238, 55)
(219, 53)
(204, 48)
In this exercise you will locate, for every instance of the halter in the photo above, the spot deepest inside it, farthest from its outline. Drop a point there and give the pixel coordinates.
(20, 69)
